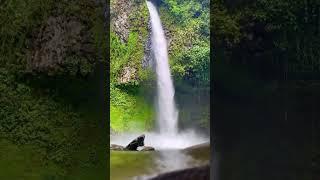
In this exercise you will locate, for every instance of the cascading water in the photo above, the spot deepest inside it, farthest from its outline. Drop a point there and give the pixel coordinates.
(167, 114)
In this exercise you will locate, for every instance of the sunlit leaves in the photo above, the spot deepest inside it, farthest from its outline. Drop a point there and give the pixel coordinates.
(124, 54)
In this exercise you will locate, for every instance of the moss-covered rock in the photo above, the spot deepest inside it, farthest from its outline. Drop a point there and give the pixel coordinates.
(130, 110)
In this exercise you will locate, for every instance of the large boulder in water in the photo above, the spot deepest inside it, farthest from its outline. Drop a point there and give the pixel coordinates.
(133, 145)
(198, 147)
(200, 151)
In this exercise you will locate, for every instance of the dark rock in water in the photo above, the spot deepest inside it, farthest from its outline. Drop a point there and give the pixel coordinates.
(198, 146)
(133, 145)
(200, 151)
(116, 147)
(147, 148)
(196, 173)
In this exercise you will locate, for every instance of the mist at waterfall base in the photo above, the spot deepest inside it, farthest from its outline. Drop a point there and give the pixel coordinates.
(163, 141)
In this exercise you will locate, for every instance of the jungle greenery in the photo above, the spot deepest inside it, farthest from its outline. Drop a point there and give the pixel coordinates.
(263, 41)
(49, 124)
(129, 109)
(132, 107)
(188, 23)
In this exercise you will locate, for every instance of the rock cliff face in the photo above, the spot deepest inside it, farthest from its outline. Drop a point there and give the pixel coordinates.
(59, 38)
(65, 43)
(133, 16)
(120, 22)
(128, 74)
(127, 17)
(148, 56)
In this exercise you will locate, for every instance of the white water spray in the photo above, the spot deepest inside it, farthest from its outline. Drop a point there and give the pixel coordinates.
(167, 114)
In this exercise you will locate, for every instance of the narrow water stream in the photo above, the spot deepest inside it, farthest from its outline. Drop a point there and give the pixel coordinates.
(167, 114)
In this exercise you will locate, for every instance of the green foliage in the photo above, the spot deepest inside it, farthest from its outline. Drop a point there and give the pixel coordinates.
(26, 162)
(56, 127)
(188, 23)
(129, 54)
(139, 21)
(129, 112)
(283, 32)
(293, 25)
(27, 118)
(76, 64)
(194, 65)
(187, 10)
(226, 26)
(44, 120)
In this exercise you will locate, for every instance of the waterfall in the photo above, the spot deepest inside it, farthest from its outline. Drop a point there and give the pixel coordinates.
(167, 114)
(168, 137)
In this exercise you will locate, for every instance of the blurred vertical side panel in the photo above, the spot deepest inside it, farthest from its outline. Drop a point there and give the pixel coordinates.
(265, 89)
